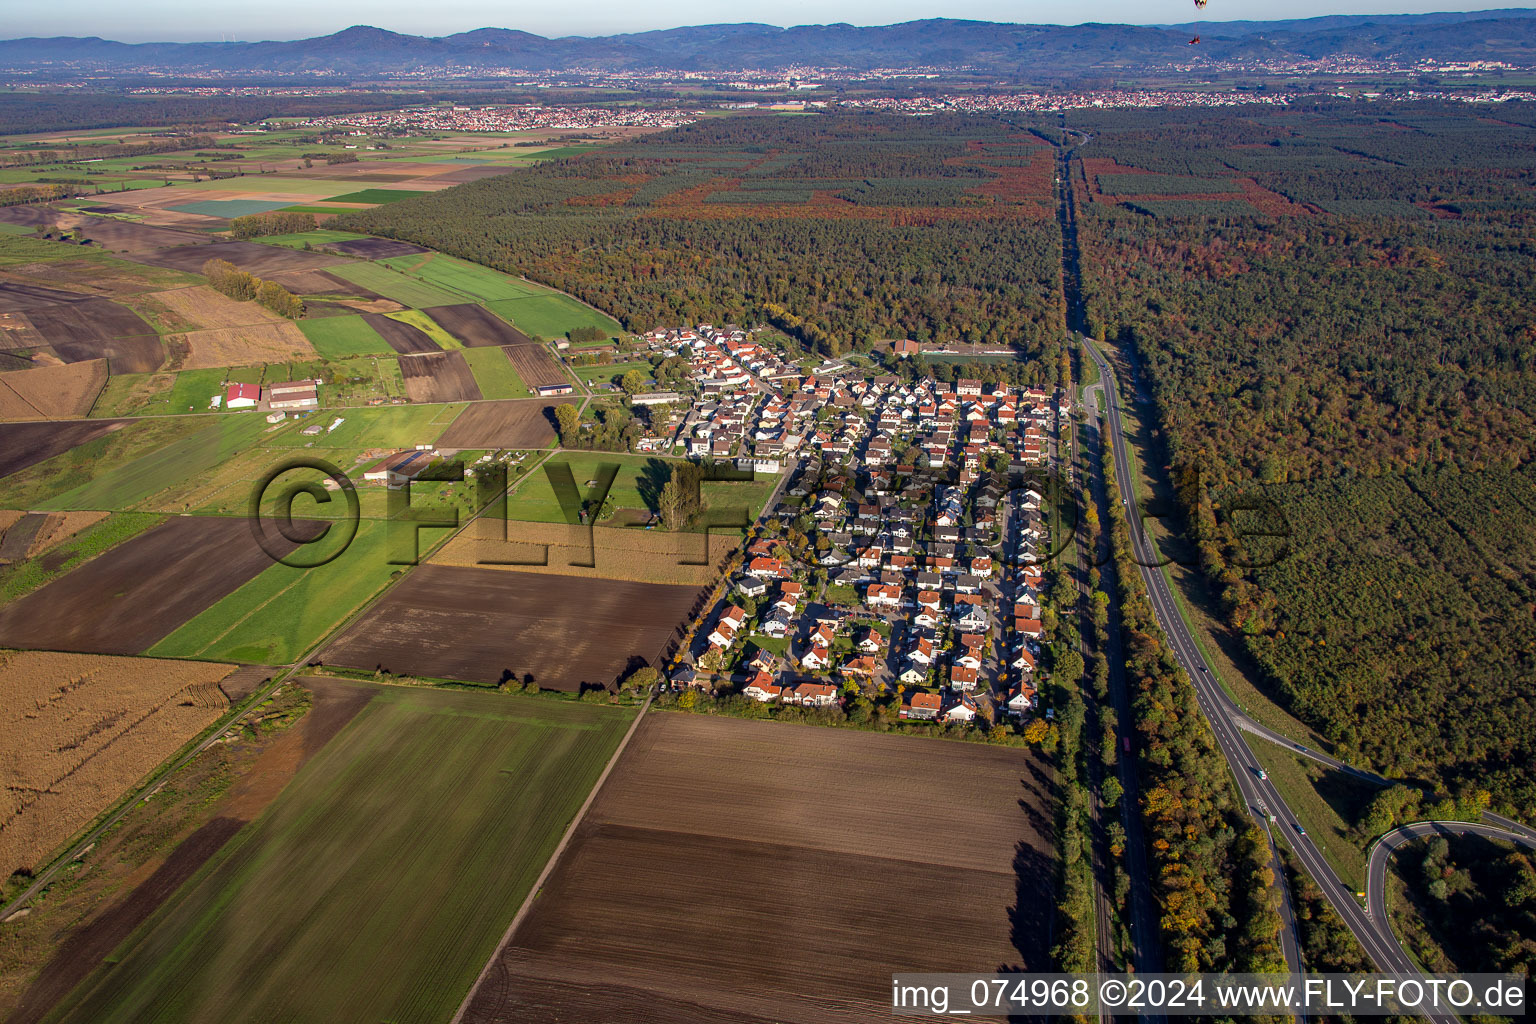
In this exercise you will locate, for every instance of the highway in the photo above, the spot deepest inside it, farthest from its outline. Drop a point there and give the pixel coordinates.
(1373, 934)
(1381, 853)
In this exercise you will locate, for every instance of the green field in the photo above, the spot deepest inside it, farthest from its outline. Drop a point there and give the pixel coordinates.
(317, 237)
(426, 325)
(274, 618)
(31, 487)
(495, 374)
(377, 196)
(552, 315)
(639, 481)
(395, 285)
(122, 485)
(337, 337)
(160, 394)
(379, 882)
(470, 278)
(396, 426)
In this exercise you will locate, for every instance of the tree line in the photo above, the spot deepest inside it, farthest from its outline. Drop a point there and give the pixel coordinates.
(229, 279)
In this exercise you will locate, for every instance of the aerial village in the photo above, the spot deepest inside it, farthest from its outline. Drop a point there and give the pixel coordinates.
(901, 555)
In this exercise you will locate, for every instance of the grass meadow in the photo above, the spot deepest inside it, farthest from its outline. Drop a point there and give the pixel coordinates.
(551, 315)
(337, 337)
(462, 276)
(395, 285)
(495, 373)
(381, 879)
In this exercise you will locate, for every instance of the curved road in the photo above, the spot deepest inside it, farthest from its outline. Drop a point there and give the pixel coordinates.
(1387, 845)
(1260, 794)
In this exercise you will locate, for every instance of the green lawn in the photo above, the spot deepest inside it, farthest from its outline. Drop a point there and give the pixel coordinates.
(609, 371)
(377, 196)
(159, 394)
(426, 325)
(277, 616)
(394, 285)
(124, 485)
(552, 315)
(470, 278)
(495, 374)
(337, 337)
(392, 426)
(379, 882)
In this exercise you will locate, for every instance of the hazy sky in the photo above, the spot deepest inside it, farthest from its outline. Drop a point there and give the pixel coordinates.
(142, 20)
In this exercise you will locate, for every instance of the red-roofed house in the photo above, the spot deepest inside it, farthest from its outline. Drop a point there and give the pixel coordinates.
(242, 396)
(922, 706)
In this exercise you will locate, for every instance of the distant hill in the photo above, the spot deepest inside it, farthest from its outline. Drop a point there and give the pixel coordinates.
(985, 47)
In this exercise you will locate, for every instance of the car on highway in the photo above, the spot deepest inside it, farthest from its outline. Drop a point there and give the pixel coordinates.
(1299, 830)
(1261, 773)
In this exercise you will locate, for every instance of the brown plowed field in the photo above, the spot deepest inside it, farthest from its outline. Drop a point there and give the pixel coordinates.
(439, 377)
(87, 319)
(535, 365)
(18, 296)
(26, 444)
(144, 354)
(819, 861)
(401, 337)
(202, 308)
(52, 392)
(484, 626)
(477, 326)
(646, 556)
(125, 236)
(83, 729)
(374, 248)
(467, 174)
(125, 600)
(510, 423)
(261, 260)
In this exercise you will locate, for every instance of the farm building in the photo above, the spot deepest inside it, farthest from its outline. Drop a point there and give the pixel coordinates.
(550, 390)
(656, 398)
(294, 394)
(242, 396)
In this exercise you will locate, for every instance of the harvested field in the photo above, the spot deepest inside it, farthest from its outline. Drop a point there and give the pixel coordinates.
(477, 326)
(400, 336)
(59, 527)
(161, 843)
(644, 556)
(439, 377)
(374, 248)
(84, 728)
(484, 627)
(895, 861)
(420, 779)
(52, 392)
(525, 423)
(536, 366)
(122, 601)
(16, 538)
(239, 346)
(26, 444)
(205, 309)
(468, 174)
(261, 260)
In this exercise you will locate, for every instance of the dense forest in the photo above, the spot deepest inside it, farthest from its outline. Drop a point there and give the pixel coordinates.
(842, 231)
(1471, 905)
(1361, 350)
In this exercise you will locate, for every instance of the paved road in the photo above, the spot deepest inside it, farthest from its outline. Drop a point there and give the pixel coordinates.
(1260, 795)
(1387, 845)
